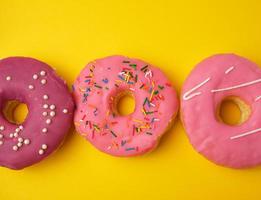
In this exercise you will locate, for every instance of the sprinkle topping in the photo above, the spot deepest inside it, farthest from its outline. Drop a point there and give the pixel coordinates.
(35, 76)
(43, 73)
(2, 128)
(31, 87)
(48, 121)
(65, 111)
(26, 141)
(19, 144)
(15, 148)
(52, 107)
(44, 130)
(41, 151)
(52, 113)
(45, 97)
(43, 81)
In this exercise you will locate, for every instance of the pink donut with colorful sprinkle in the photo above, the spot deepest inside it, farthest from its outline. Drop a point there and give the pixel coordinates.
(50, 111)
(220, 77)
(96, 91)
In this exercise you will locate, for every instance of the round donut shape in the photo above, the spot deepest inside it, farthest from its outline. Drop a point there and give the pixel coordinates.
(50, 106)
(217, 78)
(96, 91)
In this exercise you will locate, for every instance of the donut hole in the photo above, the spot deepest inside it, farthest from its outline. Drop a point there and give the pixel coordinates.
(15, 111)
(124, 103)
(233, 111)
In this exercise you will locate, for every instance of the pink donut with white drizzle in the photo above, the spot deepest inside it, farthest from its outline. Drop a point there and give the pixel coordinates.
(213, 80)
(50, 111)
(96, 91)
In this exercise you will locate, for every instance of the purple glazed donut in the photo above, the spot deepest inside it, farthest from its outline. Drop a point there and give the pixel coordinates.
(50, 113)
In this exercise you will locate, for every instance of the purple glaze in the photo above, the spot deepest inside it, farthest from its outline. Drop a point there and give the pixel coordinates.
(16, 74)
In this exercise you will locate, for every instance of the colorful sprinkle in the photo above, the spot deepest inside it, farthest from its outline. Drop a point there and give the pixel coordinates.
(130, 149)
(144, 68)
(113, 134)
(98, 86)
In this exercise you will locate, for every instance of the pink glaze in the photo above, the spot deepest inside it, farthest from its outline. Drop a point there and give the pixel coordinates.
(94, 90)
(222, 76)
(35, 84)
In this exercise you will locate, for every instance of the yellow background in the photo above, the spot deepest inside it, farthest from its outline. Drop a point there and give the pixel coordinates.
(174, 35)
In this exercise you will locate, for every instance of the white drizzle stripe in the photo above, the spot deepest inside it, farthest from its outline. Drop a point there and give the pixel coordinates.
(229, 69)
(188, 94)
(237, 86)
(257, 98)
(245, 134)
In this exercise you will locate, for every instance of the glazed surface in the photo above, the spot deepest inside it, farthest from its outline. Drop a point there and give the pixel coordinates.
(50, 107)
(95, 91)
(210, 82)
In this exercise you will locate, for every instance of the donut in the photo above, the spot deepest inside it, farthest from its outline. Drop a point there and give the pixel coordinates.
(214, 80)
(97, 91)
(50, 111)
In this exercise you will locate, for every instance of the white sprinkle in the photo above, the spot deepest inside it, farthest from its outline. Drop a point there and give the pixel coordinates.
(15, 134)
(1, 142)
(45, 97)
(45, 113)
(2, 128)
(8, 78)
(52, 107)
(52, 113)
(19, 144)
(42, 73)
(26, 141)
(148, 73)
(35, 76)
(44, 130)
(11, 135)
(229, 70)
(21, 127)
(17, 130)
(31, 87)
(122, 73)
(245, 134)
(44, 146)
(189, 94)
(65, 111)
(257, 98)
(48, 121)
(43, 81)
(237, 86)
(153, 105)
(20, 139)
(45, 106)
(1, 136)
(15, 148)
(41, 151)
